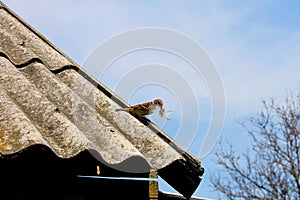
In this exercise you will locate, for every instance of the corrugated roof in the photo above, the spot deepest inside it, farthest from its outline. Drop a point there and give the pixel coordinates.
(46, 98)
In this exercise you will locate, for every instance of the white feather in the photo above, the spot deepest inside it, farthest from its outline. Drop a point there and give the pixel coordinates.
(164, 113)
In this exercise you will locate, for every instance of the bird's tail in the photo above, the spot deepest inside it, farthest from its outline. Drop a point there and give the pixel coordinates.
(122, 109)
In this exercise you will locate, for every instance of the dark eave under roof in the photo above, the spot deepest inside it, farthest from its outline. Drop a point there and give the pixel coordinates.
(48, 99)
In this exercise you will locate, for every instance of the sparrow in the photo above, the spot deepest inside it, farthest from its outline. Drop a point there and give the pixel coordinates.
(141, 110)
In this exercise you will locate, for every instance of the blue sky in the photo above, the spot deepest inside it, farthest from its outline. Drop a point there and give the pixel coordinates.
(254, 45)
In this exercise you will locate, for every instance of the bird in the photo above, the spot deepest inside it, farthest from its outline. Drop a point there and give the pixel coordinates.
(141, 110)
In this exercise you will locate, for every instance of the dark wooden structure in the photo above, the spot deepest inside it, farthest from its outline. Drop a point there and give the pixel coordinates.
(38, 174)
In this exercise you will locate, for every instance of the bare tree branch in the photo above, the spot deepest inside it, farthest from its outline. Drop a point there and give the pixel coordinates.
(271, 170)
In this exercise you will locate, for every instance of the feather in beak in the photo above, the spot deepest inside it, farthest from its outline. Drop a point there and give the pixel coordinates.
(164, 113)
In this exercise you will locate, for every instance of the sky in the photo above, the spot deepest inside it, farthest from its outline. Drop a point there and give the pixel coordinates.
(253, 46)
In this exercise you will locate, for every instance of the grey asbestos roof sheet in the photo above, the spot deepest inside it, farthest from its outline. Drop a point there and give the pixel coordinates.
(46, 98)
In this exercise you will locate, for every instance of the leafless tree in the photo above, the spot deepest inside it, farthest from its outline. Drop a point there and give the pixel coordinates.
(271, 167)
